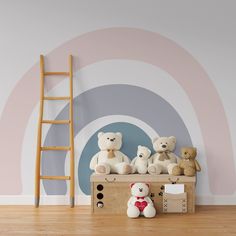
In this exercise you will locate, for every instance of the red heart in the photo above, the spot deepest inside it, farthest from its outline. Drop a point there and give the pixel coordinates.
(141, 205)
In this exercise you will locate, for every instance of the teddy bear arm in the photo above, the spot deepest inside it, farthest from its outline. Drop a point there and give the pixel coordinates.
(130, 201)
(150, 160)
(198, 167)
(149, 201)
(133, 161)
(94, 161)
(173, 157)
(125, 158)
(181, 164)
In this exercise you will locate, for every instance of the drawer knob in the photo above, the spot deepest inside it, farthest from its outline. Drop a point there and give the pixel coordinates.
(99, 196)
(100, 187)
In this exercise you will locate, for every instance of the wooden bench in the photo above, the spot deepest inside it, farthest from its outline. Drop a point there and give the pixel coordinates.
(110, 193)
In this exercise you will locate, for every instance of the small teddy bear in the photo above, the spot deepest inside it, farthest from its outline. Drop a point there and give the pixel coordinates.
(140, 162)
(163, 161)
(188, 165)
(140, 203)
(109, 159)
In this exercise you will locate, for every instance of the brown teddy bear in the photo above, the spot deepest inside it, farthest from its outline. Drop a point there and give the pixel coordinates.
(188, 165)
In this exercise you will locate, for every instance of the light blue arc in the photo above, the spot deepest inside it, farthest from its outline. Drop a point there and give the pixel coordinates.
(132, 136)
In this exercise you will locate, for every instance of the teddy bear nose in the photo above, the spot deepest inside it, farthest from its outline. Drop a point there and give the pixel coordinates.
(140, 155)
(140, 190)
(164, 146)
(112, 139)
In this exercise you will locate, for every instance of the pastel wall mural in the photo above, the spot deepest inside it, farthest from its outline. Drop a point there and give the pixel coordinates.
(129, 106)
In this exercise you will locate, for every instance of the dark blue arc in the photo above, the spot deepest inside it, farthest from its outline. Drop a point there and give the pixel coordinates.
(104, 101)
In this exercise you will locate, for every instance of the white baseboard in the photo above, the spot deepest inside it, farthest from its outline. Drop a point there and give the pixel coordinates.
(85, 200)
(216, 200)
(44, 200)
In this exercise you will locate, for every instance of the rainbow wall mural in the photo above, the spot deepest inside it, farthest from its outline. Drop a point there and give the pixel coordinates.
(138, 112)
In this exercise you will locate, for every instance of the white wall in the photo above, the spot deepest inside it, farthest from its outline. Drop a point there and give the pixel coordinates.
(206, 29)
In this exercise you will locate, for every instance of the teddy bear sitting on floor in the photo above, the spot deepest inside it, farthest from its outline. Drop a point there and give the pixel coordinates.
(109, 159)
(140, 162)
(188, 164)
(163, 161)
(140, 203)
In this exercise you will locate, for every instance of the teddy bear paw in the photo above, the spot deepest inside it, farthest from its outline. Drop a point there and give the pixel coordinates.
(133, 212)
(176, 171)
(154, 170)
(100, 169)
(149, 211)
(142, 171)
(127, 169)
(189, 171)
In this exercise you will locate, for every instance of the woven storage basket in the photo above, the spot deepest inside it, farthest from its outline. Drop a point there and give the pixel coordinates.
(175, 203)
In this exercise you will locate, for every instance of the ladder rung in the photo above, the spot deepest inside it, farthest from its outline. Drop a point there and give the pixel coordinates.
(56, 148)
(55, 177)
(57, 73)
(56, 122)
(56, 98)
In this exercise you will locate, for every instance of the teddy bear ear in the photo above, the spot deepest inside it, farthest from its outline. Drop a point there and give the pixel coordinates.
(100, 134)
(172, 139)
(154, 140)
(139, 146)
(148, 185)
(119, 134)
(131, 185)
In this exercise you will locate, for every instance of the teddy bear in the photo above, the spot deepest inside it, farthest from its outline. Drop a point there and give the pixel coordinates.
(140, 203)
(164, 160)
(188, 164)
(140, 162)
(109, 159)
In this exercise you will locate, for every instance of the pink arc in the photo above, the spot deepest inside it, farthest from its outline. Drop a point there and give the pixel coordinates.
(133, 44)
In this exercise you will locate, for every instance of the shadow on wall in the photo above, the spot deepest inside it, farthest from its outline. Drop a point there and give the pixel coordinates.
(132, 137)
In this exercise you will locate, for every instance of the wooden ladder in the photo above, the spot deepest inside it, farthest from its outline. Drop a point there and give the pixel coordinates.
(57, 122)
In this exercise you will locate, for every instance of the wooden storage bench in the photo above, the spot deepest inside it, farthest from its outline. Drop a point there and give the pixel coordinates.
(110, 193)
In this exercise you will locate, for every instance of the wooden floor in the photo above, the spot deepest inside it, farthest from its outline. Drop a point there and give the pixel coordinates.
(62, 220)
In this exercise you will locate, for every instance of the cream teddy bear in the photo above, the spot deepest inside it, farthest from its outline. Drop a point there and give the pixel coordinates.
(164, 160)
(140, 162)
(109, 159)
(140, 203)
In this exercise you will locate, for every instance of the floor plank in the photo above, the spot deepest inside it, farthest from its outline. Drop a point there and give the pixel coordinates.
(62, 220)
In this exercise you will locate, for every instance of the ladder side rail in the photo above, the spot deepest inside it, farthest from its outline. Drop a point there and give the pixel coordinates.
(39, 137)
(72, 180)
